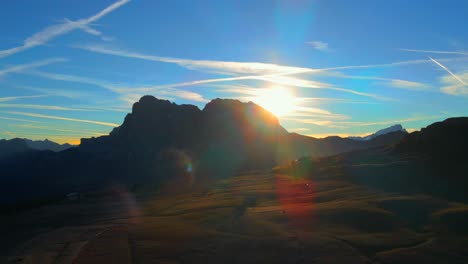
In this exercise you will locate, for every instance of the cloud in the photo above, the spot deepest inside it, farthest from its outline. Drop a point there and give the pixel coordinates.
(291, 81)
(75, 131)
(51, 32)
(391, 122)
(12, 98)
(8, 133)
(23, 67)
(163, 91)
(452, 86)
(298, 129)
(68, 78)
(409, 85)
(223, 67)
(187, 95)
(343, 135)
(436, 51)
(272, 73)
(317, 122)
(314, 111)
(328, 122)
(43, 107)
(18, 119)
(232, 67)
(315, 116)
(235, 68)
(53, 92)
(396, 83)
(65, 118)
(319, 45)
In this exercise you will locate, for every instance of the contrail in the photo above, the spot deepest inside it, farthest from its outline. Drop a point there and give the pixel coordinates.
(51, 32)
(436, 51)
(447, 70)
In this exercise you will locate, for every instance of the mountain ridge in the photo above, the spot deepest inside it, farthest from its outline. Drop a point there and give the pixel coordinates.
(390, 129)
(160, 141)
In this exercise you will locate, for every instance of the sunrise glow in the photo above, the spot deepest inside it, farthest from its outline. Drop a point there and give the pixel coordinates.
(278, 100)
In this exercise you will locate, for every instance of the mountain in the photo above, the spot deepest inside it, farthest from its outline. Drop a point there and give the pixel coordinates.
(445, 140)
(160, 141)
(225, 137)
(300, 146)
(13, 147)
(391, 129)
(251, 136)
(46, 145)
(18, 146)
(431, 162)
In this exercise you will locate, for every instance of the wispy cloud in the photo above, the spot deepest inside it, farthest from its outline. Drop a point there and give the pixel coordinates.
(319, 45)
(272, 73)
(63, 130)
(452, 86)
(128, 92)
(396, 83)
(69, 78)
(289, 82)
(296, 82)
(409, 85)
(18, 119)
(436, 51)
(230, 67)
(23, 67)
(7, 133)
(298, 129)
(49, 33)
(235, 68)
(43, 107)
(64, 118)
(392, 122)
(52, 91)
(329, 122)
(13, 98)
(315, 121)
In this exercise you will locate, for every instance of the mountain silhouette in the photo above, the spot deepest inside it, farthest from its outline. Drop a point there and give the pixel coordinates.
(17, 146)
(160, 141)
(225, 137)
(445, 140)
(13, 147)
(46, 145)
(431, 161)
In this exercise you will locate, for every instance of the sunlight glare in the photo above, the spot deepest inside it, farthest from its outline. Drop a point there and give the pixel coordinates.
(278, 100)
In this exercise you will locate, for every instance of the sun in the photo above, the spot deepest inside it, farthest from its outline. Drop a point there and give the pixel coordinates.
(278, 100)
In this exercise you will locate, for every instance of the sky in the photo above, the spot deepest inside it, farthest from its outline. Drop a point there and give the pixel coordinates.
(73, 69)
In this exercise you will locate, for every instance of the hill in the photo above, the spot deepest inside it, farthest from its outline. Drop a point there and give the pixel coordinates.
(431, 161)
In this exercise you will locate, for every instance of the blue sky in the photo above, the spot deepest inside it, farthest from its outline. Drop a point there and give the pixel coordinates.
(72, 69)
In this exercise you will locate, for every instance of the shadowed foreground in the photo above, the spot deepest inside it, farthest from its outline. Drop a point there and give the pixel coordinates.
(258, 217)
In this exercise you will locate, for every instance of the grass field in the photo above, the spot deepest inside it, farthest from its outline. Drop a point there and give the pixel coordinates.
(258, 217)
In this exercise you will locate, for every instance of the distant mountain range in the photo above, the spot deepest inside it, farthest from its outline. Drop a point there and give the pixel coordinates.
(431, 161)
(160, 141)
(391, 129)
(47, 145)
(20, 145)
